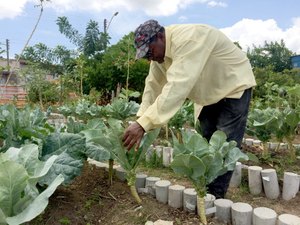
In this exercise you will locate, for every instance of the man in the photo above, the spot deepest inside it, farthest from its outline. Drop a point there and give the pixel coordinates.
(198, 62)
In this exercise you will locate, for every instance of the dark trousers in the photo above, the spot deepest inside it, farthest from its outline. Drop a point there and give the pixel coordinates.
(230, 116)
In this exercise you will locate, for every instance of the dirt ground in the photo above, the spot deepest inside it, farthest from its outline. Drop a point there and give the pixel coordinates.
(90, 201)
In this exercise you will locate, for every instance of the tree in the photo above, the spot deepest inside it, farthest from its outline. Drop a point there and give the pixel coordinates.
(55, 60)
(117, 66)
(92, 43)
(273, 54)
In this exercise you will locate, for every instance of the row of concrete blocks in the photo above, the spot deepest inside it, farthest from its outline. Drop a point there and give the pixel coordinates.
(259, 179)
(270, 145)
(177, 196)
(243, 214)
(266, 180)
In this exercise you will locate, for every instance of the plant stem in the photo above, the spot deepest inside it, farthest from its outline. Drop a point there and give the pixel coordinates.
(131, 179)
(291, 149)
(201, 209)
(110, 171)
(135, 194)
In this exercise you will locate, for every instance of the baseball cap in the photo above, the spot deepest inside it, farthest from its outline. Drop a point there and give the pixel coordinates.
(143, 35)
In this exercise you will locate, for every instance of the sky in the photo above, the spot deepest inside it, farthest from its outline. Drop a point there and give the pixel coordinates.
(250, 22)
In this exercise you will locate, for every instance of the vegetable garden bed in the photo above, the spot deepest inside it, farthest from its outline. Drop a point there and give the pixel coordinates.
(89, 200)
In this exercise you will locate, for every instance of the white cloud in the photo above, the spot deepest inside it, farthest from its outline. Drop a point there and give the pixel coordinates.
(249, 32)
(12, 8)
(217, 4)
(182, 19)
(291, 36)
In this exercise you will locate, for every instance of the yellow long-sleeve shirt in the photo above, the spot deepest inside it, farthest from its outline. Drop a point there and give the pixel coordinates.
(201, 64)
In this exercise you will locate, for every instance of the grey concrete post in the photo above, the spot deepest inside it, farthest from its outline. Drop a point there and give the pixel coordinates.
(140, 181)
(241, 214)
(236, 178)
(254, 180)
(159, 151)
(270, 183)
(149, 153)
(175, 196)
(121, 174)
(167, 156)
(150, 184)
(223, 210)
(257, 143)
(273, 145)
(209, 201)
(162, 189)
(249, 141)
(290, 185)
(264, 216)
(288, 219)
(189, 200)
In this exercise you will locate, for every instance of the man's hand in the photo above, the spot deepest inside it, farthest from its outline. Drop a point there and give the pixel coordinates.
(133, 136)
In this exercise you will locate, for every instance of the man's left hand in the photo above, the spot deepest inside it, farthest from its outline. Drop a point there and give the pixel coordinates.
(133, 136)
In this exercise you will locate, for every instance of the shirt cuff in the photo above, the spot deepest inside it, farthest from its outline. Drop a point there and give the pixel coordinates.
(145, 123)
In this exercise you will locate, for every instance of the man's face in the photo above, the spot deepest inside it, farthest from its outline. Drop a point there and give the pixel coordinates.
(157, 49)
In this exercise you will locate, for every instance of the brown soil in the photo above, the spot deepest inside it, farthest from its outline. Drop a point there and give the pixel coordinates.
(90, 201)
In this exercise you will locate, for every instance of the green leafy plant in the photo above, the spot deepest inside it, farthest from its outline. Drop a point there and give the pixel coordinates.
(71, 154)
(18, 127)
(111, 140)
(83, 110)
(202, 161)
(278, 123)
(121, 109)
(20, 171)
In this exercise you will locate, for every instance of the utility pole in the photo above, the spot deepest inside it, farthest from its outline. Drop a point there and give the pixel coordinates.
(7, 54)
(106, 26)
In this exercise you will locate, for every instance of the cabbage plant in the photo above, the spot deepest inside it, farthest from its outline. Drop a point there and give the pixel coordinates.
(202, 161)
(20, 171)
(110, 138)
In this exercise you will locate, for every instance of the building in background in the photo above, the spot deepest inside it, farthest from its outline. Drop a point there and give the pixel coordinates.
(295, 61)
(13, 91)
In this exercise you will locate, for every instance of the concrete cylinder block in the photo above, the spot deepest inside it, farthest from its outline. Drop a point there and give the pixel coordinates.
(149, 153)
(121, 174)
(150, 184)
(264, 216)
(189, 200)
(273, 145)
(223, 210)
(290, 185)
(236, 178)
(167, 156)
(241, 214)
(159, 150)
(209, 200)
(162, 190)
(257, 143)
(175, 196)
(249, 141)
(140, 181)
(270, 183)
(288, 219)
(283, 146)
(254, 180)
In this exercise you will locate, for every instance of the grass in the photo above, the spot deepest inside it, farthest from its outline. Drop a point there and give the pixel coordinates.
(65, 221)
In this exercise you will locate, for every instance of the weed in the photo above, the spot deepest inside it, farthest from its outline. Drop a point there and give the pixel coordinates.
(65, 221)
